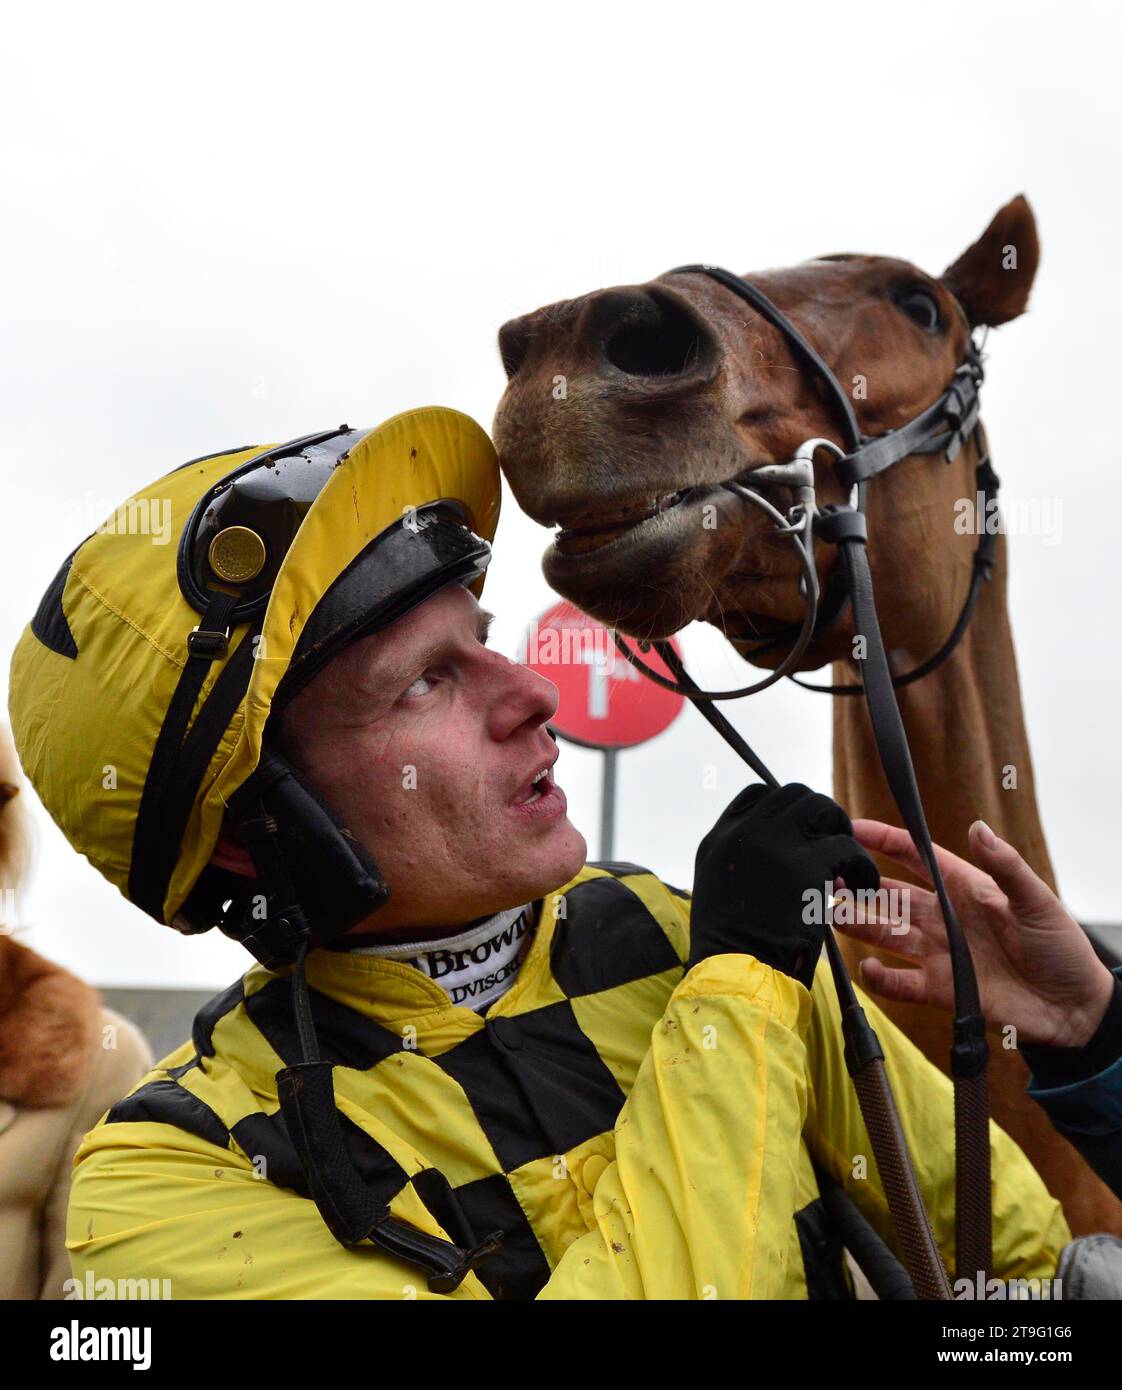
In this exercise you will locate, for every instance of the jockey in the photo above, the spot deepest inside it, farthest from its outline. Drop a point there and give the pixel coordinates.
(466, 1063)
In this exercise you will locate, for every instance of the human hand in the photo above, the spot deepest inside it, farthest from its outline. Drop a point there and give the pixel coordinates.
(1036, 968)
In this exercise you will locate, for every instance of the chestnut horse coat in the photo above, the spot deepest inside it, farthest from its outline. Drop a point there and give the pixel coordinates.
(64, 1060)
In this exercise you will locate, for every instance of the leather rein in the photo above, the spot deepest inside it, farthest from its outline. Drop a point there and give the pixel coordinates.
(942, 428)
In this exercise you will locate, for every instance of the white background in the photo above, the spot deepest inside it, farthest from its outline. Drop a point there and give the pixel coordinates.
(222, 224)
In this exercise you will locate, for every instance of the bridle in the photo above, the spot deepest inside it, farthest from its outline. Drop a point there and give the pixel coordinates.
(942, 428)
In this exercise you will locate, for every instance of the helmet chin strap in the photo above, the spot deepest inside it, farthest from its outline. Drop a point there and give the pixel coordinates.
(344, 886)
(349, 1208)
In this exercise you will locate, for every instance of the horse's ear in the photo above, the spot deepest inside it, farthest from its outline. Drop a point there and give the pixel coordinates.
(992, 278)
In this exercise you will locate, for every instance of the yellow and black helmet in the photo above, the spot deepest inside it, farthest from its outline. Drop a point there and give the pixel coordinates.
(141, 689)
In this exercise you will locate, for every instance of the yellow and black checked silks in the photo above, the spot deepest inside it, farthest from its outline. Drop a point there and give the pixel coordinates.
(634, 1131)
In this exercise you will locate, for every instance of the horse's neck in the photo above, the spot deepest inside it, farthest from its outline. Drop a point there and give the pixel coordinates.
(967, 734)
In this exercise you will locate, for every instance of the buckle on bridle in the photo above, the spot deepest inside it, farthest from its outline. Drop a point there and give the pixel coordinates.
(961, 409)
(962, 403)
(836, 525)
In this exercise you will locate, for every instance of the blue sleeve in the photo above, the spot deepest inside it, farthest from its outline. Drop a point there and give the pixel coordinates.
(1086, 1108)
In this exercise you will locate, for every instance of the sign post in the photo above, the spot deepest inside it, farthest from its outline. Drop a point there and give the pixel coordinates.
(608, 804)
(604, 702)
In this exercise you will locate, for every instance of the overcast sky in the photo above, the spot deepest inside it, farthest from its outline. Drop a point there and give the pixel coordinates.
(247, 222)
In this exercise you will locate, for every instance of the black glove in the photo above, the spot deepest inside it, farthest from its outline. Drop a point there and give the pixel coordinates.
(754, 867)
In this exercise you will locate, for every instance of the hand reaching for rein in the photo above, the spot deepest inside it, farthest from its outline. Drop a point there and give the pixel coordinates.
(1036, 968)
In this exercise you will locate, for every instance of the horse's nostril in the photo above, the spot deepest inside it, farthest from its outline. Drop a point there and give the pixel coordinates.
(664, 341)
(514, 339)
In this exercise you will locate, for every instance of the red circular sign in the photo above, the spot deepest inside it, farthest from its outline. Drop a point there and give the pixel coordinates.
(604, 701)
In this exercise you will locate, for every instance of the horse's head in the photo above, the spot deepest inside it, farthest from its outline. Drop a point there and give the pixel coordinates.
(627, 408)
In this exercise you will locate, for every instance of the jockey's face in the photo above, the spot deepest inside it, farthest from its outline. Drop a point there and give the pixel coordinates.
(426, 741)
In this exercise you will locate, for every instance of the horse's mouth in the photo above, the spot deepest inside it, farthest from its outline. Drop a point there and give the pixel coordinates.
(749, 628)
(586, 532)
(653, 565)
(593, 531)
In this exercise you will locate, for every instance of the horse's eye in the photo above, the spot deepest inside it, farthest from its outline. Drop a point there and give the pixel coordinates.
(921, 307)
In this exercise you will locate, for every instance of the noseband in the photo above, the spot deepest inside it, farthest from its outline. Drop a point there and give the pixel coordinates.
(942, 428)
